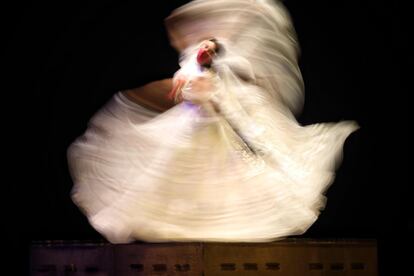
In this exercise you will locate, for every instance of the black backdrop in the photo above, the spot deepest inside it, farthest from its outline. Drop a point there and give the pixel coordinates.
(65, 60)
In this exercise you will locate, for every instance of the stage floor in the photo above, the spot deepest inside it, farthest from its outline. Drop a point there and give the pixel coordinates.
(299, 257)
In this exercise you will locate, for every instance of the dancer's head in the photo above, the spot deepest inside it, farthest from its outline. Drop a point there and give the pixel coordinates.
(208, 49)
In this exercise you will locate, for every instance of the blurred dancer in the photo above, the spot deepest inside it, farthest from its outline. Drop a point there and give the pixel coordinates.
(215, 154)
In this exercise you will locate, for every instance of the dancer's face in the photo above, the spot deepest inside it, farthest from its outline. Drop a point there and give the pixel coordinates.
(206, 52)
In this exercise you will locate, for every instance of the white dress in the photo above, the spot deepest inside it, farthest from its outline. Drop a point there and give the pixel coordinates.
(230, 164)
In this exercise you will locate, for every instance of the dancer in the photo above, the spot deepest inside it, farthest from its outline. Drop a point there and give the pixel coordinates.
(217, 154)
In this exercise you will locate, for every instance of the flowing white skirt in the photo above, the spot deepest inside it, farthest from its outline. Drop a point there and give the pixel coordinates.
(185, 176)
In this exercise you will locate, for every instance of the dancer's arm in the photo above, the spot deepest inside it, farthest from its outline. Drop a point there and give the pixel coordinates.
(152, 95)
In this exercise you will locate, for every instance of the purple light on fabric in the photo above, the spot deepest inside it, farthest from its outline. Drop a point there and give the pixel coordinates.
(189, 105)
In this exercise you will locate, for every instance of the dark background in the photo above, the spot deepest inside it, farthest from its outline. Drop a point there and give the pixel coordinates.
(64, 60)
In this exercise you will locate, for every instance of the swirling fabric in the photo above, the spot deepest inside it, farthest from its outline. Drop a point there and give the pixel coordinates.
(228, 163)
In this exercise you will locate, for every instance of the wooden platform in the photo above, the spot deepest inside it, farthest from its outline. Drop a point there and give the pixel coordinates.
(298, 257)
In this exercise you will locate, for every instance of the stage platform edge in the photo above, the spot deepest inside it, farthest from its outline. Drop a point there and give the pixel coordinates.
(287, 257)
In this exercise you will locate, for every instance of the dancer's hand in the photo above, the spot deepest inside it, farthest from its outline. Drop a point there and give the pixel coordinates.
(202, 84)
(201, 90)
(175, 93)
